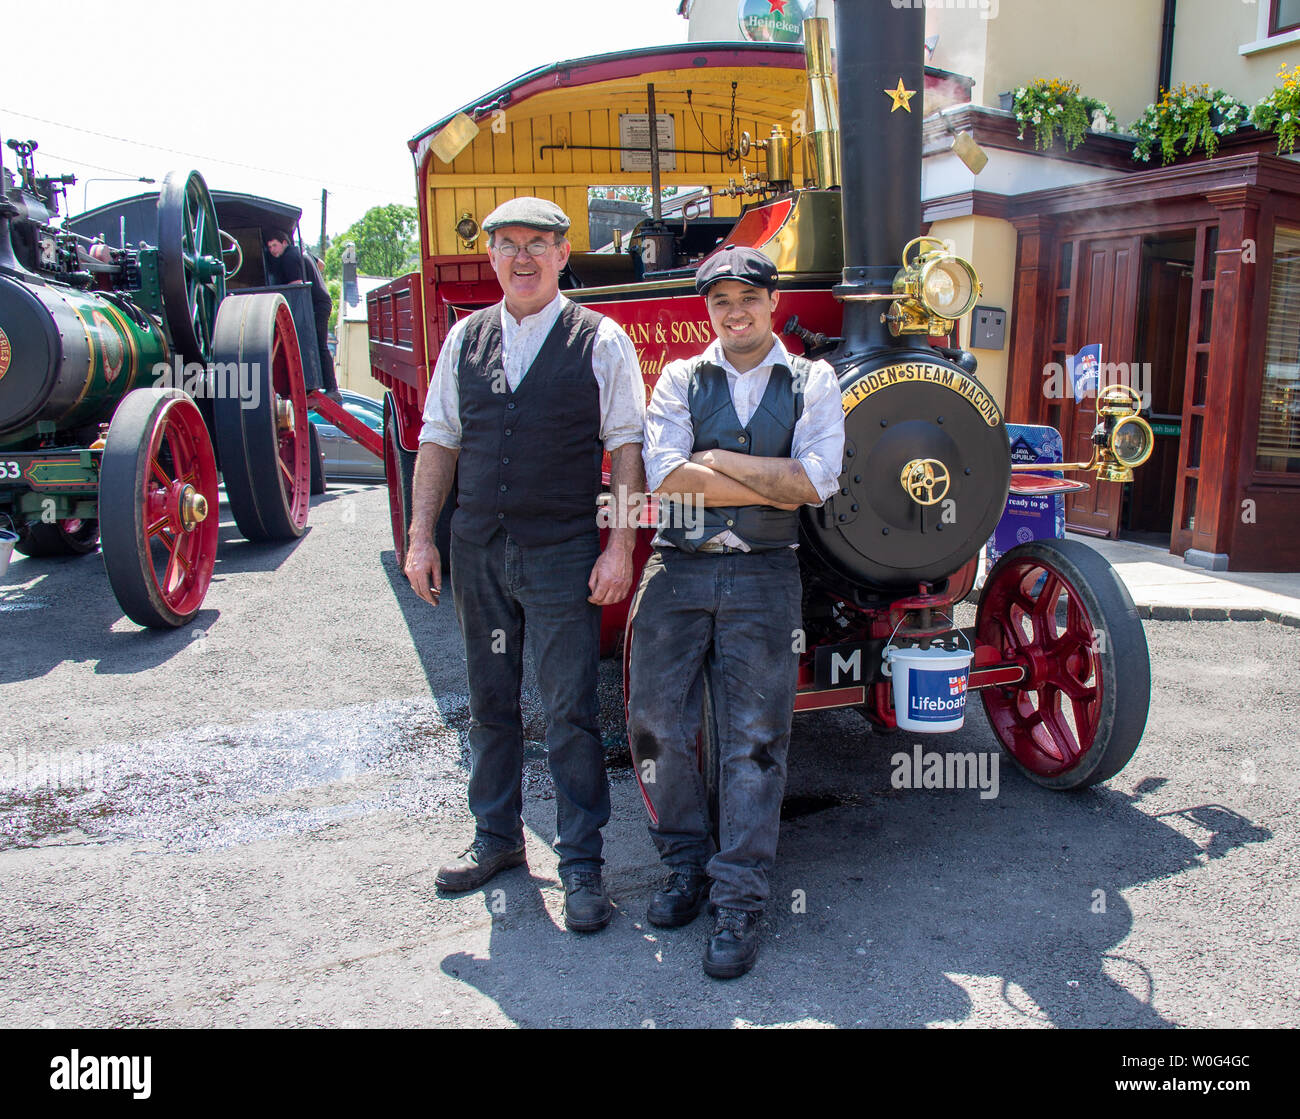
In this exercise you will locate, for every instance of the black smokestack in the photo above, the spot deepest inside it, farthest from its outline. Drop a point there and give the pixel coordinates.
(878, 44)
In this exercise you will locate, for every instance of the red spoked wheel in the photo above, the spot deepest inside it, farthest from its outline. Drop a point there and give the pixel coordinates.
(158, 507)
(1059, 608)
(259, 404)
(399, 474)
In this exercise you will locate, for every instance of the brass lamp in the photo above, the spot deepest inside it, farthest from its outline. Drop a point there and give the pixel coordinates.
(934, 289)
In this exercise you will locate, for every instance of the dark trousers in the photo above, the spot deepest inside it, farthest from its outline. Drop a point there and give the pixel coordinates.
(499, 589)
(733, 617)
(329, 382)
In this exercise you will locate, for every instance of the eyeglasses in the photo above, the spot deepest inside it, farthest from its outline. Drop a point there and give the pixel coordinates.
(509, 249)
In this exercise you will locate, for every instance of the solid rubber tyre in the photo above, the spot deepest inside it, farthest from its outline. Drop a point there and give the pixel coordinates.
(1079, 717)
(399, 477)
(318, 483)
(159, 564)
(265, 447)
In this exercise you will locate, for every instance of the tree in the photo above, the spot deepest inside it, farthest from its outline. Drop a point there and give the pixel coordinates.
(630, 193)
(385, 240)
(335, 288)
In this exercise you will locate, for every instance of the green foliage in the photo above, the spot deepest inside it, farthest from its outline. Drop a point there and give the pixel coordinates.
(1194, 116)
(386, 241)
(639, 194)
(335, 288)
(1050, 105)
(1279, 110)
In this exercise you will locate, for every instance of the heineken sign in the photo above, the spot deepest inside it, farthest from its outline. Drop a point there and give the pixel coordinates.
(774, 21)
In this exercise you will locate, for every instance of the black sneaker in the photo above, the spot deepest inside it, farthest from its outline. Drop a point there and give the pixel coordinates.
(733, 947)
(476, 865)
(681, 899)
(586, 905)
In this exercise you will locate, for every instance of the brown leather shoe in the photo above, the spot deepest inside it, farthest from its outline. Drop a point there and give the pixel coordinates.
(476, 865)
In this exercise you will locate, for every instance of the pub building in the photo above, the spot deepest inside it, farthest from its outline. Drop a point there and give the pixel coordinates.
(1186, 275)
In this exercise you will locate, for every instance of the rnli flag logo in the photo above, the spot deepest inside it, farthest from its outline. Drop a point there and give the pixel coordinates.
(956, 685)
(1084, 368)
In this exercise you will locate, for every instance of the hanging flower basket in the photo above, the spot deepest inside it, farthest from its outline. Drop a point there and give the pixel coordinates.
(1050, 106)
(1279, 110)
(1190, 117)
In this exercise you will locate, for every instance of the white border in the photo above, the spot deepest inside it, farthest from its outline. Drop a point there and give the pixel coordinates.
(1262, 41)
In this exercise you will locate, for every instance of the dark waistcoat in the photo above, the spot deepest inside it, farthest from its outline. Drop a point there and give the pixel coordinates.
(529, 459)
(769, 433)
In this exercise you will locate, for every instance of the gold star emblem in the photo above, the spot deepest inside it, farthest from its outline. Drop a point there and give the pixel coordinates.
(900, 97)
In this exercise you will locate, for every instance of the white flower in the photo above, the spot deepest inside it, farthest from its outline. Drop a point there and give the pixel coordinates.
(1286, 116)
(1038, 117)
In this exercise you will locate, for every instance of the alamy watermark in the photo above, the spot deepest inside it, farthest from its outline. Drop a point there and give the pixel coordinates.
(52, 769)
(1059, 385)
(988, 9)
(660, 511)
(930, 769)
(217, 380)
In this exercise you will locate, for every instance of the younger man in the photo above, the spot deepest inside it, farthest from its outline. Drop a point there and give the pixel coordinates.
(751, 433)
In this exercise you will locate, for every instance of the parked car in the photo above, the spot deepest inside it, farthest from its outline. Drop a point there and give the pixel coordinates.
(345, 459)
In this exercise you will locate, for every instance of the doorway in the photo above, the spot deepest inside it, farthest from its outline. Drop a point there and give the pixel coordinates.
(1107, 286)
(1164, 310)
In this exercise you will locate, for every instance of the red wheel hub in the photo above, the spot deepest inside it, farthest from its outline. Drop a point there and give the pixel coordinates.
(1033, 615)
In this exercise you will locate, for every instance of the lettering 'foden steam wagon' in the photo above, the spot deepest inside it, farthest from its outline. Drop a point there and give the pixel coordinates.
(1060, 658)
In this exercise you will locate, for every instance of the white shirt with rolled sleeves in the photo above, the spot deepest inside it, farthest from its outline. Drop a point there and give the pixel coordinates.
(818, 442)
(613, 360)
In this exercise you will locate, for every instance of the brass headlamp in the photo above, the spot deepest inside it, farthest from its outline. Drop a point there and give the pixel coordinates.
(937, 288)
(931, 291)
(1121, 440)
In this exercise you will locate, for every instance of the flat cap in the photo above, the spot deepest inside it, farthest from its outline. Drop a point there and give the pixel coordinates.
(535, 213)
(749, 266)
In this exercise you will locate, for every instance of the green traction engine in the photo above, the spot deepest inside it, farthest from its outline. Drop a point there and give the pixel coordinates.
(128, 377)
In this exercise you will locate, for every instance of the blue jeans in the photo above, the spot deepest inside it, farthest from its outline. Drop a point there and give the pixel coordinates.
(499, 589)
(733, 617)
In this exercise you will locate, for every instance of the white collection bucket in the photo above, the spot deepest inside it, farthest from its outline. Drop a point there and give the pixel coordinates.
(929, 687)
(7, 541)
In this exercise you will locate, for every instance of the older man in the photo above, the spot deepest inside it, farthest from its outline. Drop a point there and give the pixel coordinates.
(752, 433)
(526, 396)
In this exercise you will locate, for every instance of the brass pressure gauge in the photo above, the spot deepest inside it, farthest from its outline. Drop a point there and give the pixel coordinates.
(467, 229)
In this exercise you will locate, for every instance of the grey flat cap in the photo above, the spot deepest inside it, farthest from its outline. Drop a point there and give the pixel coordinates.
(535, 213)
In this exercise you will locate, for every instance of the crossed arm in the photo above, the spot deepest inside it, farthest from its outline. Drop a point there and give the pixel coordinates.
(728, 478)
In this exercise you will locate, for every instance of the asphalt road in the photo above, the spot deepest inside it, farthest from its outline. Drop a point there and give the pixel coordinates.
(238, 824)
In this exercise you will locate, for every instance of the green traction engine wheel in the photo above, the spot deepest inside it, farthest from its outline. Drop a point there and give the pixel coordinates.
(192, 271)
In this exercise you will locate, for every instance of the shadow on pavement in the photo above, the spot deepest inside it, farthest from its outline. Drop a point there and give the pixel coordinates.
(895, 909)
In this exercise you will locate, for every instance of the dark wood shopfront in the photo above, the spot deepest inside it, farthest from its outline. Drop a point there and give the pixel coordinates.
(1170, 271)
